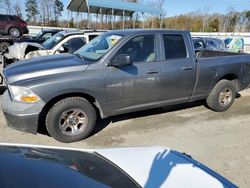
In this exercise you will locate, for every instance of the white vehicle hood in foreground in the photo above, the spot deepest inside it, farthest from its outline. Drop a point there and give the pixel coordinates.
(158, 167)
(155, 167)
(17, 51)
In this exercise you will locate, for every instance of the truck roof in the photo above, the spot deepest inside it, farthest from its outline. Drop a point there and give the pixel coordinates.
(138, 31)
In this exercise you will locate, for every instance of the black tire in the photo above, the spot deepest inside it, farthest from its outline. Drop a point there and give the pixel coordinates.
(59, 117)
(222, 96)
(15, 32)
(4, 46)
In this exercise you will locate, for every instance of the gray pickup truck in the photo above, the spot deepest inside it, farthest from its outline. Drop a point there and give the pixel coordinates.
(118, 72)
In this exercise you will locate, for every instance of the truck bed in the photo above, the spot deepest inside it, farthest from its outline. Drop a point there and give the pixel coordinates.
(213, 66)
(212, 53)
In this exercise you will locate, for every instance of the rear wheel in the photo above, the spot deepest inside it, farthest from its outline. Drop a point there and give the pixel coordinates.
(15, 32)
(4, 46)
(71, 119)
(222, 96)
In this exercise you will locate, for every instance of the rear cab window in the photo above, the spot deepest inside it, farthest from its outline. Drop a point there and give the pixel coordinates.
(174, 46)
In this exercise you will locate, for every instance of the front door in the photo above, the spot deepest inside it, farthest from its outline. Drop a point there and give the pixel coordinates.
(138, 85)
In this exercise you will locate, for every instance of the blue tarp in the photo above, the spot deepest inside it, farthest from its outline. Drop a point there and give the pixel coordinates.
(108, 5)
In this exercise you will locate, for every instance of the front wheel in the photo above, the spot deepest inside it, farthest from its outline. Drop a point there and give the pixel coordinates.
(71, 119)
(222, 96)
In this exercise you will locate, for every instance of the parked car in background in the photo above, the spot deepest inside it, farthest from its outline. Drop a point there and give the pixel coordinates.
(204, 43)
(235, 44)
(148, 167)
(62, 42)
(12, 25)
(6, 41)
(119, 72)
(42, 36)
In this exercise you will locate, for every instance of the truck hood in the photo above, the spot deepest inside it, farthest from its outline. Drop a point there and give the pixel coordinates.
(43, 66)
(18, 50)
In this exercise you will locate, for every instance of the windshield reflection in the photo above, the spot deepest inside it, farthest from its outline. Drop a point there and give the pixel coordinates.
(38, 35)
(98, 47)
(52, 41)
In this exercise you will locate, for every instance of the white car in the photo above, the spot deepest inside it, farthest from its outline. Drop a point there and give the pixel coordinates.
(62, 42)
(24, 166)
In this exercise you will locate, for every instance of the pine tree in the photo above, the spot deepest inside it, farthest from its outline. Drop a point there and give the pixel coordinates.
(8, 6)
(17, 9)
(31, 9)
(58, 8)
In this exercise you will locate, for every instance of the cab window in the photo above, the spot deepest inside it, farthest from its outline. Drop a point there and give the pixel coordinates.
(174, 46)
(140, 48)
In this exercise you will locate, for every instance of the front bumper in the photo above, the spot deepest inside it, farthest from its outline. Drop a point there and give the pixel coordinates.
(21, 116)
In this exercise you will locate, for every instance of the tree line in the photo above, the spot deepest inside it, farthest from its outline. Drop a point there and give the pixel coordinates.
(232, 21)
(49, 13)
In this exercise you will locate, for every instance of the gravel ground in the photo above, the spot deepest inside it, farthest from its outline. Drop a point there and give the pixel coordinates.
(219, 140)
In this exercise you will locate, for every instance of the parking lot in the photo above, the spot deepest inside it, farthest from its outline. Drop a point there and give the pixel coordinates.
(219, 140)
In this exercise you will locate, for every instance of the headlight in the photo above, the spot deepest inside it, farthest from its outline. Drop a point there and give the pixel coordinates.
(23, 94)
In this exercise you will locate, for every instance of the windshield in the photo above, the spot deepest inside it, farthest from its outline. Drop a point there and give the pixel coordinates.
(227, 41)
(98, 47)
(38, 35)
(52, 41)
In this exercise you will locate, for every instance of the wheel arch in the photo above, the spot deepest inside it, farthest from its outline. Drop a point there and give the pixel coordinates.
(54, 100)
(13, 26)
(231, 77)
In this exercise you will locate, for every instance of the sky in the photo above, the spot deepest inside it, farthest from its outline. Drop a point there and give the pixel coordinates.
(177, 7)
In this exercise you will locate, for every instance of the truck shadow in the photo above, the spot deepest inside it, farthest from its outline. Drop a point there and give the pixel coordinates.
(102, 124)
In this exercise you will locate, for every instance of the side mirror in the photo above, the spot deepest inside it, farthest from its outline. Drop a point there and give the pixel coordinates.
(61, 49)
(121, 60)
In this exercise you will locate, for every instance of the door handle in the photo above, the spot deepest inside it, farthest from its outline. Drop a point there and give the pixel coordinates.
(187, 68)
(152, 72)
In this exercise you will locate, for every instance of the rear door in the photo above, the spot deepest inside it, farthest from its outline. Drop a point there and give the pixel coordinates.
(178, 69)
(2, 24)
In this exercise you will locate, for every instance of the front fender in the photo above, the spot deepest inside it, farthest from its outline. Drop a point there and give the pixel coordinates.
(98, 102)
